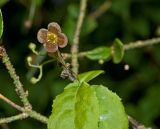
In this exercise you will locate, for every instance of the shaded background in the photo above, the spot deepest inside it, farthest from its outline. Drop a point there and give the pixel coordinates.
(129, 20)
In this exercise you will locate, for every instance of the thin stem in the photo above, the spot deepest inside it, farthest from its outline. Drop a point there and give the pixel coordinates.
(101, 10)
(75, 47)
(135, 124)
(141, 43)
(13, 118)
(11, 103)
(27, 110)
(28, 22)
(128, 46)
(19, 87)
(37, 116)
(66, 72)
(27, 113)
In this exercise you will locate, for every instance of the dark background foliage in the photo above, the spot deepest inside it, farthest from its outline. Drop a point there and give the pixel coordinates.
(129, 20)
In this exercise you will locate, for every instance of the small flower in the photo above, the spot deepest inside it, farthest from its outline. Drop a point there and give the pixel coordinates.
(52, 38)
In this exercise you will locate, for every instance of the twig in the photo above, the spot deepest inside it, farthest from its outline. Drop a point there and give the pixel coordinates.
(27, 109)
(11, 103)
(142, 43)
(37, 116)
(75, 47)
(29, 21)
(135, 124)
(28, 112)
(101, 10)
(13, 118)
(131, 45)
(19, 87)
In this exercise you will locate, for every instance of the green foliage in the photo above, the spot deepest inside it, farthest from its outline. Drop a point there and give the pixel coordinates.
(126, 19)
(105, 53)
(1, 24)
(111, 109)
(86, 108)
(87, 76)
(63, 109)
(70, 112)
(82, 106)
(117, 51)
(99, 53)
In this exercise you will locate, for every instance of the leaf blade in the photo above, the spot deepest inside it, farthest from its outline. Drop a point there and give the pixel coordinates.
(118, 51)
(86, 108)
(63, 109)
(99, 53)
(1, 24)
(88, 76)
(111, 109)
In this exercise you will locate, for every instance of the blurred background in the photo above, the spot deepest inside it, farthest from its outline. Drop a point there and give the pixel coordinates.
(128, 20)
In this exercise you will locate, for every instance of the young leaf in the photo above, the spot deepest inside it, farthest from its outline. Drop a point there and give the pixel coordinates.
(99, 53)
(63, 112)
(75, 108)
(87, 76)
(112, 113)
(1, 24)
(118, 51)
(86, 108)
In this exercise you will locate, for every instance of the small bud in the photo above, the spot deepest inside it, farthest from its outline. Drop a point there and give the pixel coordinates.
(32, 46)
(33, 80)
(101, 62)
(29, 59)
(126, 67)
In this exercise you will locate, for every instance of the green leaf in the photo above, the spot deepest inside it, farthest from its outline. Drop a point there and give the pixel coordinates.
(88, 76)
(62, 116)
(75, 108)
(86, 108)
(112, 113)
(1, 24)
(99, 53)
(117, 51)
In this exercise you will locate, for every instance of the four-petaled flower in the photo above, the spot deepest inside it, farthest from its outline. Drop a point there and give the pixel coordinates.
(52, 38)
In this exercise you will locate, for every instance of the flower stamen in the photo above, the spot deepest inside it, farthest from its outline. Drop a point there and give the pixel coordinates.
(52, 38)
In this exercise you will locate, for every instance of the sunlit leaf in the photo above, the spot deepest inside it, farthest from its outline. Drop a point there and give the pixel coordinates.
(75, 108)
(1, 24)
(99, 53)
(112, 113)
(117, 51)
(86, 108)
(87, 76)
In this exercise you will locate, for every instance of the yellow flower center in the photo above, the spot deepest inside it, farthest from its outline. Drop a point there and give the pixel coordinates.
(52, 38)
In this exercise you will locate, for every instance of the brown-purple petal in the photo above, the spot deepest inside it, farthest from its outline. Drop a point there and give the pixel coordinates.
(51, 47)
(62, 40)
(54, 27)
(42, 35)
